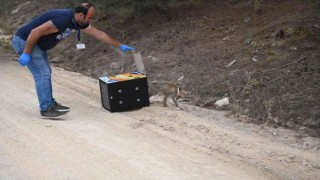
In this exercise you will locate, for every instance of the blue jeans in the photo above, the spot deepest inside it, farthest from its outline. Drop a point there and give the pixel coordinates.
(41, 71)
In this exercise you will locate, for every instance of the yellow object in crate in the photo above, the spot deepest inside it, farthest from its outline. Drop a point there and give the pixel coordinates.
(126, 76)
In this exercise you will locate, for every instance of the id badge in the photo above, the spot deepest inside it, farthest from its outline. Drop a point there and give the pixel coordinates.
(81, 46)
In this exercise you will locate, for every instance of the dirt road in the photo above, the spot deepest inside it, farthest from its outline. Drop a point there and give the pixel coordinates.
(150, 143)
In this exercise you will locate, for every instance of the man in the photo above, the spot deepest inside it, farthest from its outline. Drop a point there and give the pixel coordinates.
(32, 41)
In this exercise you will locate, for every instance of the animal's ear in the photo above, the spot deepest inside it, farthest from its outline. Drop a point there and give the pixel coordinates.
(178, 90)
(179, 81)
(180, 78)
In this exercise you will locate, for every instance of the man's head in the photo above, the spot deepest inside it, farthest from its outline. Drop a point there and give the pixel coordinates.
(84, 13)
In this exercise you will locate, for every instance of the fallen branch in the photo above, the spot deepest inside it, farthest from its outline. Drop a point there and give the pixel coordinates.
(285, 65)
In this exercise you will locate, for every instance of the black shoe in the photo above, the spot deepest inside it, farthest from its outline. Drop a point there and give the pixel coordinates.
(52, 113)
(60, 108)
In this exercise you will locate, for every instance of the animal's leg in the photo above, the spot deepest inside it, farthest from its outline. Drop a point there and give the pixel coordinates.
(165, 101)
(175, 102)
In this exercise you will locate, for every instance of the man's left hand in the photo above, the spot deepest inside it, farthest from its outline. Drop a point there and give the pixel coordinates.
(125, 48)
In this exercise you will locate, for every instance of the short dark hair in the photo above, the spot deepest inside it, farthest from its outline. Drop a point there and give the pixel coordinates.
(83, 8)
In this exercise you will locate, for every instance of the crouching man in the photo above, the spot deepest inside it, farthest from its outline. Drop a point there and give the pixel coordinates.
(44, 32)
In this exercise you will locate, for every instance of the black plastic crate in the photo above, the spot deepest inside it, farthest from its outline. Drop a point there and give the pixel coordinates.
(124, 92)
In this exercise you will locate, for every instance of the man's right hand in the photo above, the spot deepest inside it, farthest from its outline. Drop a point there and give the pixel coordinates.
(125, 48)
(24, 59)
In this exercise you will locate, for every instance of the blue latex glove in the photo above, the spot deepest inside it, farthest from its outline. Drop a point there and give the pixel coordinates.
(24, 59)
(125, 48)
